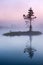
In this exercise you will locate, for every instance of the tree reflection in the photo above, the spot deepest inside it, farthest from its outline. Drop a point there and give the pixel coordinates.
(30, 50)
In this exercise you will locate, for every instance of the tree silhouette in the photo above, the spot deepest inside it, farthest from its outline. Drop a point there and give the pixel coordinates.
(30, 16)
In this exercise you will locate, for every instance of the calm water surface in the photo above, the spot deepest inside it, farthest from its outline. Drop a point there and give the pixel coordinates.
(16, 50)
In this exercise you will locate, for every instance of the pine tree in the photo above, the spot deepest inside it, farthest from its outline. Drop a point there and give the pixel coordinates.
(30, 16)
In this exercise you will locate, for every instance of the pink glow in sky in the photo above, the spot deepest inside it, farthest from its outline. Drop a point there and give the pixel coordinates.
(14, 9)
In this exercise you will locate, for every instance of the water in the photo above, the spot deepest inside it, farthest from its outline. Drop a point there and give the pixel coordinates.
(12, 50)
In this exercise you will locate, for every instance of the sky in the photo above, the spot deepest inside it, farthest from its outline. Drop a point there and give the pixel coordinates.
(13, 10)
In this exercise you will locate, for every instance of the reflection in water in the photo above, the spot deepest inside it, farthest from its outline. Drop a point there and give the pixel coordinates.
(29, 49)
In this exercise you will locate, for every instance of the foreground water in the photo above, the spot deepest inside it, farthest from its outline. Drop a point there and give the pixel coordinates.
(12, 50)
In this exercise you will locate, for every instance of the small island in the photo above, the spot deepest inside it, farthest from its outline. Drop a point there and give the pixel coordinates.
(22, 33)
(29, 17)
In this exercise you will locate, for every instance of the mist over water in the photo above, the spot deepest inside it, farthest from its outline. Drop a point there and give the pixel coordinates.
(21, 26)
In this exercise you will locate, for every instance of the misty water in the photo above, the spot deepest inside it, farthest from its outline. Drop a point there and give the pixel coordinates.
(12, 49)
